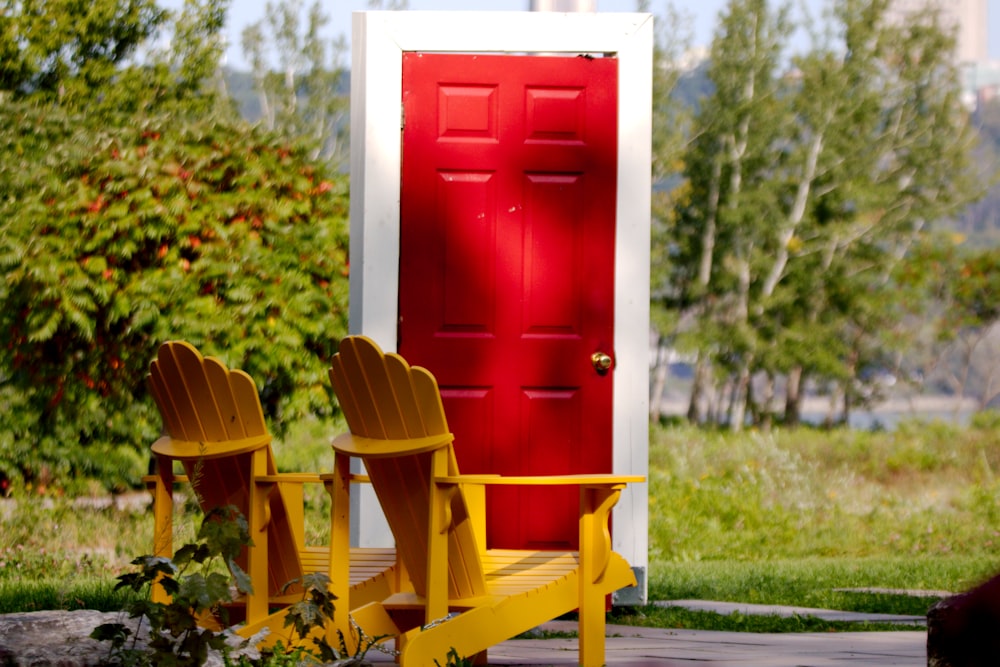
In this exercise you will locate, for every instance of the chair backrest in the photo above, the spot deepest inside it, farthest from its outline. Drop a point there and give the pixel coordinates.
(200, 400)
(215, 426)
(384, 399)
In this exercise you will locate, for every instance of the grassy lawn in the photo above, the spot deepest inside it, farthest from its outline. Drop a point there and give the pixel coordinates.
(803, 517)
(807, 517)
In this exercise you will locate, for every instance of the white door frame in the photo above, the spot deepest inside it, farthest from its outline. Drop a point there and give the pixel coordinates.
(378, 42)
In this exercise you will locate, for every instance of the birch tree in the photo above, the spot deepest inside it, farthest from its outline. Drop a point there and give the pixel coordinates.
(719, 229)
(811, 179)
(302, 92)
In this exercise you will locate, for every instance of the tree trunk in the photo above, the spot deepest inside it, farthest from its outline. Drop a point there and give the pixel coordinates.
(697, 390)
(719, 406)
(845, 415)
(659, 382)
(740, 395)
(766, 416)
(793, 397)
(831, 414)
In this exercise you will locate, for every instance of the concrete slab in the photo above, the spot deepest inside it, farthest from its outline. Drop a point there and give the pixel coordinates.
(922, 593)
(727, 608)
(629, 646)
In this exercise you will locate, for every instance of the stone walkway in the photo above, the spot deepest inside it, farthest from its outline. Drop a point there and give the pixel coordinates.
(25, 640)
(629, 646)
(640, 647)
(746, 609)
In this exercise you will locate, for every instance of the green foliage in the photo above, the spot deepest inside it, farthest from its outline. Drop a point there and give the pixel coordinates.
(197, 588)
(61, 556)
(788, 517)
(804, 190)
(953, 286)
(453, 659)
(98, 55)
(986, 420)
(175, 637)
(303, 95)
(66, 49)
(135, 208)
(921, 491)
(114, 238)
(975, 289)
(26, 595)
(680, 618)
(886, 584)
(312, 613)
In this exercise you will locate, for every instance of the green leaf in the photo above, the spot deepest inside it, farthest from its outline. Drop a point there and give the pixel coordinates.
(42, 326)
(217, 588)
(242, 579)
(116, 633)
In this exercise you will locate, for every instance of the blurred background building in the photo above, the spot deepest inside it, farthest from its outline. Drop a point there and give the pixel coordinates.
(981, 76)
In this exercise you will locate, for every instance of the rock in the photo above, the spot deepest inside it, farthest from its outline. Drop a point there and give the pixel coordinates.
(62, 639)
(57, 638)
(964, 630)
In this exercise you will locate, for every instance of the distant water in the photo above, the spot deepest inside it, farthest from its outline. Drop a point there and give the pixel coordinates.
(889, 415)
(884, 417)
(887, 421)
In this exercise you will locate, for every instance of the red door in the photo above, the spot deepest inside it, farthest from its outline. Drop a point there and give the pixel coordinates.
(507, 269)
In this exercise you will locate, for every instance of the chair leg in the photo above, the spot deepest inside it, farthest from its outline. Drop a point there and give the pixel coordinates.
(595, 549)
(592, 630)
(162, 488)
(256, 602)
(338, 486)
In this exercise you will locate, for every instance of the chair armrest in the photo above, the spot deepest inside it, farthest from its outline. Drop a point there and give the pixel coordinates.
(356, 477)
(151, 479)
(544, 480)
(598, 495)
(292, 478)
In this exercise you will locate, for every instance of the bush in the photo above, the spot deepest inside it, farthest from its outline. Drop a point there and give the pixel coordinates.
(116, 235)
(198, 590)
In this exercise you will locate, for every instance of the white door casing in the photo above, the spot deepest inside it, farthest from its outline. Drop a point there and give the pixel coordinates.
(378, 41)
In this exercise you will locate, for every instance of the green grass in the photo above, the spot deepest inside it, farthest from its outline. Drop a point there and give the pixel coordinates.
(824, 583)
(788, 517)
(919, 491)
(65, 553)
(792, 516)
(49, 593)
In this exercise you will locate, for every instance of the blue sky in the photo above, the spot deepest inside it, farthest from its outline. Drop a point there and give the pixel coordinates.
(703, 13)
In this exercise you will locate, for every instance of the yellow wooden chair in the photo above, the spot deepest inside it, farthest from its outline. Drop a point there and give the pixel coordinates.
(214, 426)
(464, 597)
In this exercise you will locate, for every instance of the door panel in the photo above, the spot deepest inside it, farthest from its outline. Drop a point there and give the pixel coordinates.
(507, 231)
(468, 250)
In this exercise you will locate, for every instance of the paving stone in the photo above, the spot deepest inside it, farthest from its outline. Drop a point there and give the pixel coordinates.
(627, 646)
(727, 608)
(897, 591)
(632, 647)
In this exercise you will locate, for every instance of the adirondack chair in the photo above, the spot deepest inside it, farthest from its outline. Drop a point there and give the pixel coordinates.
(464, 596)
(215, 428)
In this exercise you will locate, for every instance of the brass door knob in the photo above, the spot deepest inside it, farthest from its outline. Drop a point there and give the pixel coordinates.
(602, 362)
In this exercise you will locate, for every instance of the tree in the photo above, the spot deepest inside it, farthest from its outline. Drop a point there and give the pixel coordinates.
(149, 215)
(99, 54)
(64, 50)
(808, 186)
(717, 229)
(898, 163)
(304, 96)
(114, 240)
(671, 121)
(969, 323)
